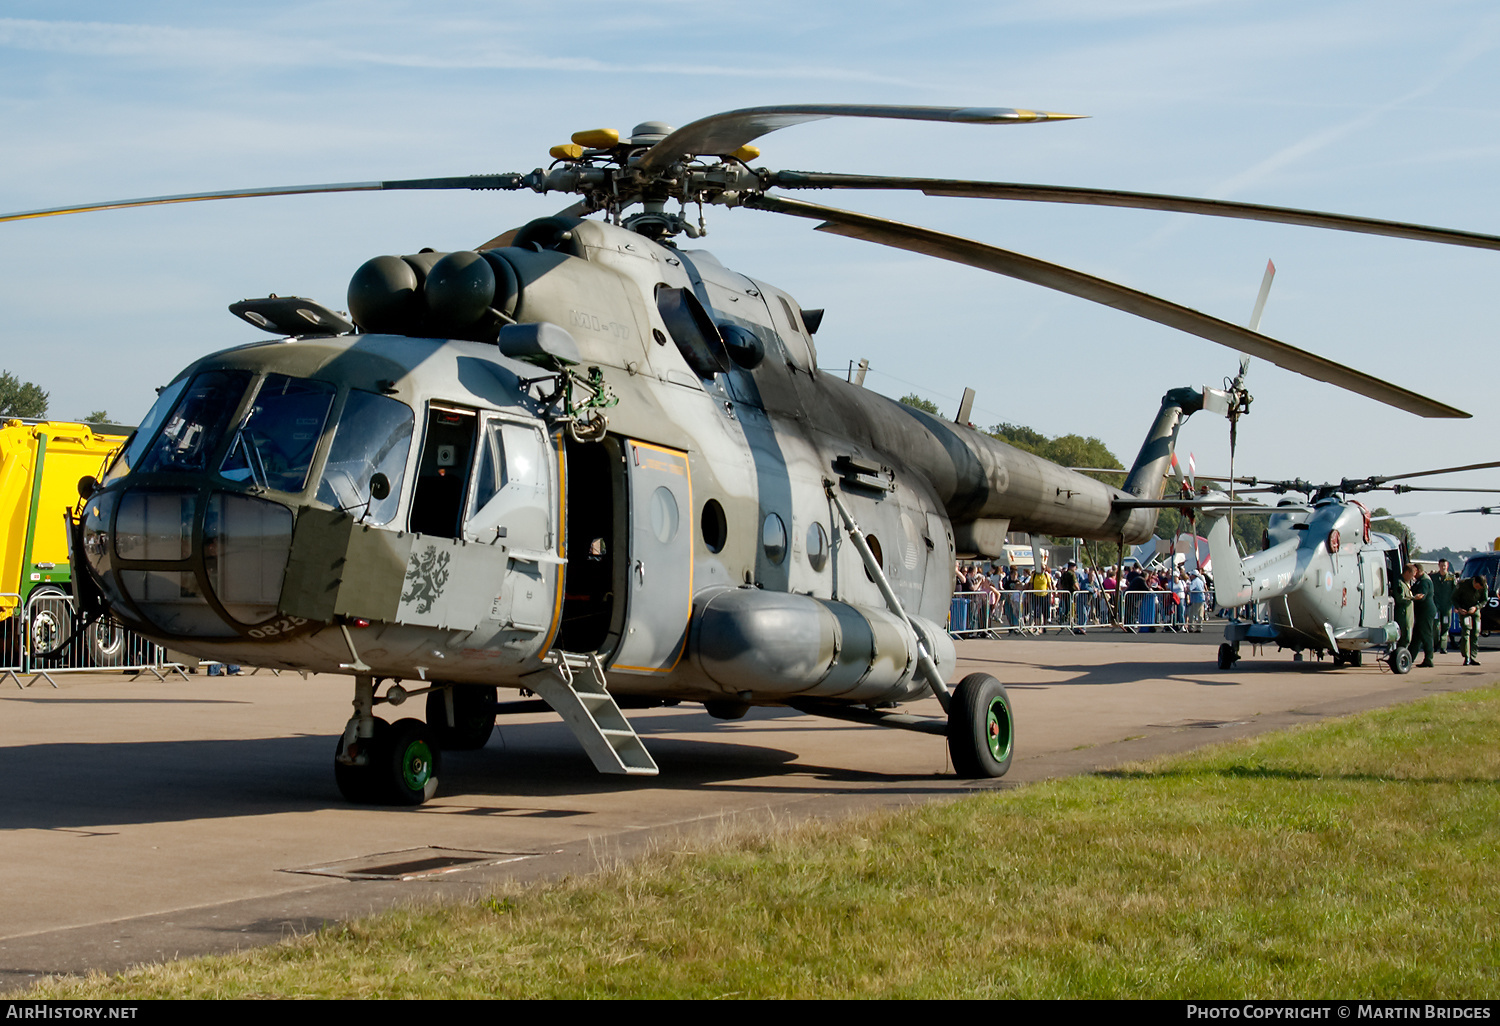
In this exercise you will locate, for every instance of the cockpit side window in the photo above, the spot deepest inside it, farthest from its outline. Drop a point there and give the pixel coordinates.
(443, 474)
(165, 403)
(196, 425)
(512, 487)
(275, 444)
(373, 437)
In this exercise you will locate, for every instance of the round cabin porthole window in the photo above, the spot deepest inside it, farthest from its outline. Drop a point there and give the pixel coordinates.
(773, 538)
(817, 546)
(874, 544)
(663, 514)
(714, 525)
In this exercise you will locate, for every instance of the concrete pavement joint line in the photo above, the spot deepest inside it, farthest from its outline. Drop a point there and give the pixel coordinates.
(176, 910)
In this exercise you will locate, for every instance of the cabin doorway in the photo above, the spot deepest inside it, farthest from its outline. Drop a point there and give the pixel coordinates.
(593, 607)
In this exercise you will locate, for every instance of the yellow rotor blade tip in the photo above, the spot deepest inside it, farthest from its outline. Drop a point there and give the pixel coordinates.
(597, 138)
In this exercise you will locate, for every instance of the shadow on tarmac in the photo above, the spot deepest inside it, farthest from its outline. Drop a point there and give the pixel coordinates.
(80, 786)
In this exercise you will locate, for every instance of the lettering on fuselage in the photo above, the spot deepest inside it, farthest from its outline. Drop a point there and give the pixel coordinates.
(593, 322)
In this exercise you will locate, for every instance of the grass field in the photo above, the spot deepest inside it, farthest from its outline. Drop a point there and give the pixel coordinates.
(1356, 858)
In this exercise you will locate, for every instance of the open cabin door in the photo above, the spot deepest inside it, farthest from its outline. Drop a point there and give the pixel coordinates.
(1374, 595)
(659, 569)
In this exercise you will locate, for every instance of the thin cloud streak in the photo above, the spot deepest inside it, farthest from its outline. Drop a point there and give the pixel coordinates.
(222, 49)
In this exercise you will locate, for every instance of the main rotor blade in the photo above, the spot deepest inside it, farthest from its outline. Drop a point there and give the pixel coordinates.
(724, 133)
(507, 181)
(1429, 473)
(1064, 279)
(1138, 201)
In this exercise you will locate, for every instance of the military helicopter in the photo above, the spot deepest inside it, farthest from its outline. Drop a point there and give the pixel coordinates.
(586, 463)
(1326, 579)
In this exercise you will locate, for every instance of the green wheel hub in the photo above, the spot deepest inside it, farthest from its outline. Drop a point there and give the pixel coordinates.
(981, 727)
(416, 765)
(997, 729)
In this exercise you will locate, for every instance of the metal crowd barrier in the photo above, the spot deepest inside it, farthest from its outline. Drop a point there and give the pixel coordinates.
(12, 637)
(1024, 611)
(47, 636)
(991, 614)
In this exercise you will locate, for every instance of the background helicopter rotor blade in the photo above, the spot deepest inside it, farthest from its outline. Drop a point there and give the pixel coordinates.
(1483, 510)
(1430, 473)
(1136, 201)
(1260, 308)
(724, 133)
(505, 182)
(1076, 283)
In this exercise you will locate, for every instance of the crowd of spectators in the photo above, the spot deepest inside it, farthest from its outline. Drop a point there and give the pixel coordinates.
(990, 597)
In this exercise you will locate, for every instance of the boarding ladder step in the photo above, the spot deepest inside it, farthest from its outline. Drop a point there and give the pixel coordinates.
(572, 683)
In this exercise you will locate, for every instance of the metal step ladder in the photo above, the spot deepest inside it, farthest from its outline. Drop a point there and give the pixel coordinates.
(585, 704)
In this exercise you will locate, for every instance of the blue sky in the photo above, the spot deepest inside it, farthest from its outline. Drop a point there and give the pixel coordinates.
(1381, 109)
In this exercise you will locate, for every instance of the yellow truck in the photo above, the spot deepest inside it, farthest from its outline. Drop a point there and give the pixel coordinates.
(40, 464)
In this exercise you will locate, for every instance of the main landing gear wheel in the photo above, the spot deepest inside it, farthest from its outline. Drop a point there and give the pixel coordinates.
(1227, 656)
(358, 784)
(1356, 658)
(473, 717)
(1401, 661)
(413, 763)
(402, 765)
(981, 731)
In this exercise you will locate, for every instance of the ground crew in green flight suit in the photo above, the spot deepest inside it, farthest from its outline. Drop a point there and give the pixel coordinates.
(1425, 614)
(1443, 583)
(1402, 594)
(1469, 599)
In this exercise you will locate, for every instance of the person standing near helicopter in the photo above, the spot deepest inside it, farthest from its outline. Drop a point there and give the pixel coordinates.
(1402, 593)
(1443, 584)
(1425, 614)
(1469, 599)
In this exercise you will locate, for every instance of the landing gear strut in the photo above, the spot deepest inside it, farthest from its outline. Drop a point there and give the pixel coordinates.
(379, 763)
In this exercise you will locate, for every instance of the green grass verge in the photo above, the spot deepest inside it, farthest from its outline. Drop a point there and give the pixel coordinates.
(1354, 858)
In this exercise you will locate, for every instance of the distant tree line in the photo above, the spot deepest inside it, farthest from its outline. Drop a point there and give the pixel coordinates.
(25, 399)
(20, 398)
(1078, 451)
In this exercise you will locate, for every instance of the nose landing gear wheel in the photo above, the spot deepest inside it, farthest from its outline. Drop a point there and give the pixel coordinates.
(981, 731)
(1227, 656)
(358, 784)
(413, 761)
(1401, 661)
(402, 765)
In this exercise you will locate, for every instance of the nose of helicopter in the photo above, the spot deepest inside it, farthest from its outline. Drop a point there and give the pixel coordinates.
(192, 564)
